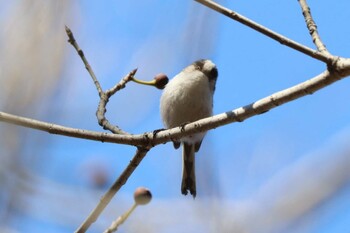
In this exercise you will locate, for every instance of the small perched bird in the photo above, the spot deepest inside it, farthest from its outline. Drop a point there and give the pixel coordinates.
(186, 98)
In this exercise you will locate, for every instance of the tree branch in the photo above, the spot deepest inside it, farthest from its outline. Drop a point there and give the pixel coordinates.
(104, 96)
(107, 197)
(67, 131)
(80, 52)
(340, 69)
(327, 58)
(311, 25)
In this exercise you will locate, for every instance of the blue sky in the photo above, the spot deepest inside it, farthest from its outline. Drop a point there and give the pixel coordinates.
(263, 175)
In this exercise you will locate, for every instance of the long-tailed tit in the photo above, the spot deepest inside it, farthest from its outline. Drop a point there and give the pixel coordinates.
(186, 98)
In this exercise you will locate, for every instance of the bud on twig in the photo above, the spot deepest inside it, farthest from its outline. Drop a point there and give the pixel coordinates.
(159, 81)
(142, 196)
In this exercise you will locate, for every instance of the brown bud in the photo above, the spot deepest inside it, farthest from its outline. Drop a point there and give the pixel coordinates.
(142, 196)
(161, 80)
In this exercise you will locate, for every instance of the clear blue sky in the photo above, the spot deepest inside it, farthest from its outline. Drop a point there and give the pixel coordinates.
(283, 171)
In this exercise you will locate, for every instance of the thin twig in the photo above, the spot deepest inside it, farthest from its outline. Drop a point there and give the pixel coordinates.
(142, 196)
(311, 25)
(74, 43)
(258, 27)
(104, 98)
(107, 197)
(120, 220)
(122, 83)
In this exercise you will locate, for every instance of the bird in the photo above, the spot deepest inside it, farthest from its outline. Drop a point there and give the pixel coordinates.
(186, 98)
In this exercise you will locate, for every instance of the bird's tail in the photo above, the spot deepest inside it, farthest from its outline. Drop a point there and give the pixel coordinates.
(188, 170)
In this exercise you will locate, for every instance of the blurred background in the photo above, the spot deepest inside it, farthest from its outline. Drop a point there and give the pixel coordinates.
(283, 171)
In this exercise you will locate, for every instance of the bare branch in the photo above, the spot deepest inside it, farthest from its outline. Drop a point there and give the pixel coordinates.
(311, 25)
(107, 197)
(74, 43)
(102, 120)
(104, 98)
(339, 70)
(120, 220)
(122, 83)
(327, 58)
(67, 131)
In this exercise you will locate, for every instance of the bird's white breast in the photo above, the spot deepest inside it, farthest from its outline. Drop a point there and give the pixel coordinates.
(186, 98)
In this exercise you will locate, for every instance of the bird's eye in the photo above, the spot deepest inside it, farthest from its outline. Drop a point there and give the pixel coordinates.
(213, 73)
